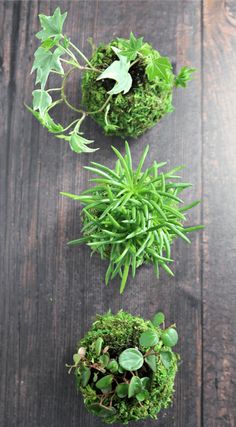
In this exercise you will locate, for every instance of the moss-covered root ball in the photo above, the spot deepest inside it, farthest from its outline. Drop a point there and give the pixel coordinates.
(125, 367)
(148, 99)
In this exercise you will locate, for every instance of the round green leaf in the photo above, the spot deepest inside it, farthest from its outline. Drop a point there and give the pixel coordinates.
(158, 319)
(166, 358)
(104, 360)
(151, 361)
(145, 382)
(122, 390)
(98, 346)
(135, 386)
(101, 411)
(142, 395)
(113, 366)
(131, 359)
(170, 337)
(148, 338)
(104, 382)
(85, 376)
(121, 370)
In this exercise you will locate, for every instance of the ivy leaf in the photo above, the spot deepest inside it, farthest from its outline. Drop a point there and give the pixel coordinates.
(41, 100)
(46, 120)
(146, 49)
(166, 358)
(151, 361)
(49, 43)
(131, 47)
(131, 359)
(104, 382)
(85, 376)
(148, 338)
(158, 67)
(184, 76)
(122, 390)
(46, 61)
(170, 337)
(118, 71)
(158, 319)
(52, 25)
(78, 143)
(135, 386)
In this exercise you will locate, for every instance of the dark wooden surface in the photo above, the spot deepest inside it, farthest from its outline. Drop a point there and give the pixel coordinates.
(50, 293)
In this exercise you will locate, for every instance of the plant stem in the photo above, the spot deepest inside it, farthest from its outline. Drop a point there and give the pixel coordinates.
(134, 62)
(102, 107)
(54, 89)
(63, 95)
(81, 54)
(55, 103)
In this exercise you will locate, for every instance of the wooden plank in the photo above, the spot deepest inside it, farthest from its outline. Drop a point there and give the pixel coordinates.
(219, 180)
(50, 293)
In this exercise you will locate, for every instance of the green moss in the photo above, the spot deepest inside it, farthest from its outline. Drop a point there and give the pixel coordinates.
(120, 332)
(130, 114)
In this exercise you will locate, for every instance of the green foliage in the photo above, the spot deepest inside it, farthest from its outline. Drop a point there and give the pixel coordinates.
(184, 76)
(130, 48)
(135, 386)
(132, 216)
(55, 52)
(51, 25)
(148, 338)
(116, 396)
(118, 71)
(170, 337)
(158, 67)
(131, 359)
(141, 95)
(148, 94)
(41, 100)
(158, 319)
(45, 62)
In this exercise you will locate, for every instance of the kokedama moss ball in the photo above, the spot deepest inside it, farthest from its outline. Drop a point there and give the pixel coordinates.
(125, 367)
(130, 114)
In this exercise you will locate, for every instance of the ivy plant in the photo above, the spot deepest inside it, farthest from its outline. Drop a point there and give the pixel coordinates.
(132, 216)
(57, 55)
(107, 377)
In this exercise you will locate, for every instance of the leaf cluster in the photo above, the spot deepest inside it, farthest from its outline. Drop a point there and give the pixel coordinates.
(55, 56)
(132, 216)
(128, 375)
(157, 67)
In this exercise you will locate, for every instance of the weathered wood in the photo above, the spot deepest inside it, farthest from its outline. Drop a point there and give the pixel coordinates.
(219, 181)
(50, 293)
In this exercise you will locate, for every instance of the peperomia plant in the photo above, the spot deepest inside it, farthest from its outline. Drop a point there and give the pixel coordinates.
(133, 216)
(58, 55)
(125, 367)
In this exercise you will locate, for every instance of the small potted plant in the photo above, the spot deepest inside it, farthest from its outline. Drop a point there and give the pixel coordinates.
(125, 367)
(127, 85)
(132, 217)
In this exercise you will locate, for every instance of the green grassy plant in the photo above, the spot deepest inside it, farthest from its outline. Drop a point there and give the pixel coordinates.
(132, 217)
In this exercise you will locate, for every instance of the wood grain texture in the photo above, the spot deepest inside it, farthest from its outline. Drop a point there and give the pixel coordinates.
(219, 181)
(50, 293)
